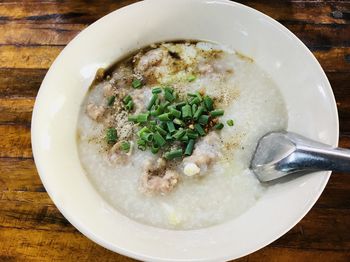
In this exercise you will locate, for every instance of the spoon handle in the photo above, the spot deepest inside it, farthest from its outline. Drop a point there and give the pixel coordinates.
(320, 158)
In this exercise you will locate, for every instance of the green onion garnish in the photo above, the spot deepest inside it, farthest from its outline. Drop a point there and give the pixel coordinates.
(174, 112)
(178, 122)
(110, 100)
(152, 101)
(186, 111)
(219, 126)
(148, 137)
(171, 127)
(230, 122)
(173, 154)
(199, 129)
(111, 135)
(125, 146)
(169, 96)
(208, 102)
(136, 83)
(180, 133)
(198, 113)
(189, 147)
(129, 106)
(164, 117)
(127, 99)
(141, 144)
(156, 90)
(191, 78)
(217, 112)
(161, 130)
(154, 149)
(203, 119)
(158, 139)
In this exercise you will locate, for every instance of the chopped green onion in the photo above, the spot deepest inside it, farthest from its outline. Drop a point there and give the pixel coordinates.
(156, 90)
(173, 154)
(180, 133)
(127, 99)
(111, 135)
(164, 117)
(186, 111)
(152, 101)
(208, 102)
(184, 138)
(230, 122)
(178, 122)
(136, 83)
(169, 137)
(189, 147)
(168, 89)
(147, 136)
(194, 108)
(198, 113)
(169, 96)
(141, 144)
(157, 111)
(154, 149)
(110, 100)
(141, 118)
(125, 146)
(171, 127)
(191, 94)
(199, 129)
(199, 96)
(195, 100)
(191, 78)
(174, 112)
(219, 126)
(180, 104)
(132, 118)
(161, 130)
(191, 134)
(145, 129)
(129, 106)
(159, 139)
(217, 112)
(203, 119)
(153, 122)
(164, 105)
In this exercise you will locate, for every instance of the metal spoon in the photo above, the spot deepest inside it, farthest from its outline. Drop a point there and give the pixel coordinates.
(282, 153)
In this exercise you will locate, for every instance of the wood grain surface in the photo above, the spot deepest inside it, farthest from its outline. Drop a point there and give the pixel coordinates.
(32, 34)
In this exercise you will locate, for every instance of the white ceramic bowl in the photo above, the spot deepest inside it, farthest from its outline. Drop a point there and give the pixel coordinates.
(307, 92)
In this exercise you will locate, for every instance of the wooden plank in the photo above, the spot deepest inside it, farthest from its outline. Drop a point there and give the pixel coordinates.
(306, 12)
(15, 141)
(16, 110)
(33, 57)
(334, 60)
(19, 175)
(318, 36)
(19, 244)
(79, 12)
(20, 82)
(321, 229)
(274, 254)
(41, 57)
(63, 12)
(38, 34)
(315, 36)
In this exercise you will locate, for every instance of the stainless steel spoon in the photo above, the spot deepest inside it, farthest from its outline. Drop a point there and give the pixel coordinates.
(282, 153)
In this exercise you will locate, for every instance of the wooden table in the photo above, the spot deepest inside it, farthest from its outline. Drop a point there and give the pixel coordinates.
(32, 33)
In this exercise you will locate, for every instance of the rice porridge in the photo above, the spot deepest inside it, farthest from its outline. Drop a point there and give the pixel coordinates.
(166, 135)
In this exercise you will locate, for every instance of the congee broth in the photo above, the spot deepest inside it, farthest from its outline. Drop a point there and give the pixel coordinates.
(166, 135)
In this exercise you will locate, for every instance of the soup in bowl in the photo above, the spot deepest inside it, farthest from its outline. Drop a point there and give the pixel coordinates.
(143, 129)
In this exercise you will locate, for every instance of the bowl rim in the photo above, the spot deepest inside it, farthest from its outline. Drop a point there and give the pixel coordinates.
(132, 253)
